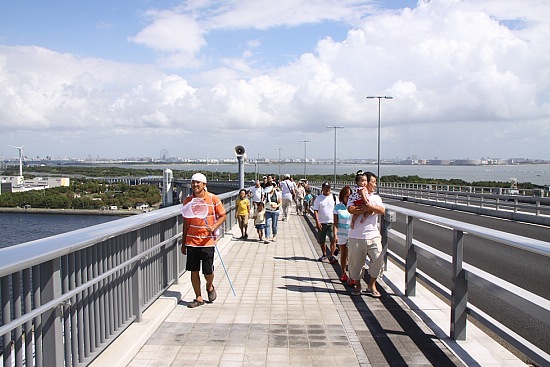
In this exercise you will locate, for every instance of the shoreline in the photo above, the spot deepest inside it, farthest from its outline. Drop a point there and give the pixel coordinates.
(120, 213)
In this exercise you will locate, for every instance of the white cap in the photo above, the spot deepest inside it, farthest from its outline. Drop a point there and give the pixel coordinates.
(198, 177)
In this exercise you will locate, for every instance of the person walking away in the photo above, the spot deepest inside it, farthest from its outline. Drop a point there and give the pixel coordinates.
(342, 219)
(256, 194)
(289, 193)
(323, 208)
(242, 214)
(300, 195)
(273, 201)
(365, 239)
(199, 239)
(259, 222)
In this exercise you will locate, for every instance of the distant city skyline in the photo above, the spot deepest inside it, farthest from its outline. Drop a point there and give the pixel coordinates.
(131, 78)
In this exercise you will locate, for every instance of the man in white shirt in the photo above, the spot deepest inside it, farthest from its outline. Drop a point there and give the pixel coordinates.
(288, 188)
(256, 195)
(364, 238)
(323, 209)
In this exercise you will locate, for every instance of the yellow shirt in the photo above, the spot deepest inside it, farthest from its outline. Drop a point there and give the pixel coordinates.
(243, 206)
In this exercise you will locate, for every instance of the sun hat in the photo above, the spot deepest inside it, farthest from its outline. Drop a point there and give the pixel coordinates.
(198, 177)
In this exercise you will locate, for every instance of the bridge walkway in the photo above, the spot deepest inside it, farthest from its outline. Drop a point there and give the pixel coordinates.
(291, 310)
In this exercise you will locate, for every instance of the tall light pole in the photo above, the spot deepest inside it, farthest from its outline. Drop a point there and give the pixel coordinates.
(305, 155)
(335, 128)
(378, 160)
(279, 149)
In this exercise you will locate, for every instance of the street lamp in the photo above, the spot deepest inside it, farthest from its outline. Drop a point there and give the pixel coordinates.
(279, 149)
(335, 128)
(305, 155)
(378, 160)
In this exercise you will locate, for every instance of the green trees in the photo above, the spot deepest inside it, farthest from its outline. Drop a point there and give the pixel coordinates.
(84, 194)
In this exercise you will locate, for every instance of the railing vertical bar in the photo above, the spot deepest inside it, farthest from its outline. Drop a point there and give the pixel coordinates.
(37, 302)
(118, 283)
(18, 332)
(86, 302)
(27, 307)
(52, 338)
(74, 310)
(95, 291)
(102, 285)
(136, 278)
(6, 317)
(91, 299)
(459, 292)
(65, 274)
(80, 306)
(110, 261)
(410, 259)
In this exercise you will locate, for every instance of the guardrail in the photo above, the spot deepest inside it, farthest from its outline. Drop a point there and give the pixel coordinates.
(464, 274)
(491, 201)
(66, 297)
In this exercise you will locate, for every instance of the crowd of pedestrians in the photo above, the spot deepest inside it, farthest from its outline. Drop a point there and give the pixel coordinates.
(349, 220)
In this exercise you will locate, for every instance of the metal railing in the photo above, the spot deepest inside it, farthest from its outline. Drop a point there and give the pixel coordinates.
(491, 201)
(463, 275)
(66, 297)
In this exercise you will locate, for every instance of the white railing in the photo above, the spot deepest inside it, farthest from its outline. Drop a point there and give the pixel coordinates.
(463, 275)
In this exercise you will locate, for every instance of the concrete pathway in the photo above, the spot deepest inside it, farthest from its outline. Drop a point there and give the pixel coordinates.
(291, 310)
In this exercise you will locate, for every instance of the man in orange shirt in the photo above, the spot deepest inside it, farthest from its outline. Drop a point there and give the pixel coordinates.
(199, 239)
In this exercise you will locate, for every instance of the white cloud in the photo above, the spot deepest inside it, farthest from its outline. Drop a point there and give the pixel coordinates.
(178, 36)
(463, 83)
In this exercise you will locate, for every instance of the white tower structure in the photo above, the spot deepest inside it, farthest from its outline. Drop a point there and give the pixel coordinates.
(20, 179)
(167, 187)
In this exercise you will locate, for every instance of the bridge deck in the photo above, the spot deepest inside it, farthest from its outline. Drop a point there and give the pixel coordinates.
(291, 310)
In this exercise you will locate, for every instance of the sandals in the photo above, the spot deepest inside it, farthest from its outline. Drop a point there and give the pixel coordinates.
(372, 293)
(212, 295)
(344, 278)
(195, 303)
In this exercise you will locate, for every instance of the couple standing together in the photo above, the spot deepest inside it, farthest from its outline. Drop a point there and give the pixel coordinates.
(353, 226)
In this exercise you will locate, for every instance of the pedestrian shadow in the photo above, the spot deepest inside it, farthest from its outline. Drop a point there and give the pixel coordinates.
(383, 337)
(295, 258)
(310, 288)
(307, 279)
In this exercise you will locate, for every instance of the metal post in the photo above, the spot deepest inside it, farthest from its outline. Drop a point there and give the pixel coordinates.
(279, 149)
(335, 128)
(410, 260)
(52, 332)
(378, 159)
(459, 292)
(240, 159)
(305, 155)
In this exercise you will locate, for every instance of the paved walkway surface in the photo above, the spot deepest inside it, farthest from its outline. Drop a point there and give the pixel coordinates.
(290, 310)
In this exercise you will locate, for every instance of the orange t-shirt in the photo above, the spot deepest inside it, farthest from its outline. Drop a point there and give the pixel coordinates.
(197, 234)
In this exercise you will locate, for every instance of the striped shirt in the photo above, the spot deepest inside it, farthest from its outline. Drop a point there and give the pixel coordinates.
(197, 234)
(344, 221)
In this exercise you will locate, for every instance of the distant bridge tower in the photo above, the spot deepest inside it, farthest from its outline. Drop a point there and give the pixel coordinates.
(167, 187)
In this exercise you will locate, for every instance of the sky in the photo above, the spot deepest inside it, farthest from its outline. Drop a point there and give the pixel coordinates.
(139, 78)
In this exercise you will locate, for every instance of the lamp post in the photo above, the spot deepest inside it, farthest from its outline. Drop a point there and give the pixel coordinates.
(378, 160)
(279, 149)
(335, 128)
(305, 155)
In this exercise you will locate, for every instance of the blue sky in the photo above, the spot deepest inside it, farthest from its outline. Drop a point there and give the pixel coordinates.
(469, 78)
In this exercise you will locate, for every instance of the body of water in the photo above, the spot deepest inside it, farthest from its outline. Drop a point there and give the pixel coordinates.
(16, 228)
(538, 174)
